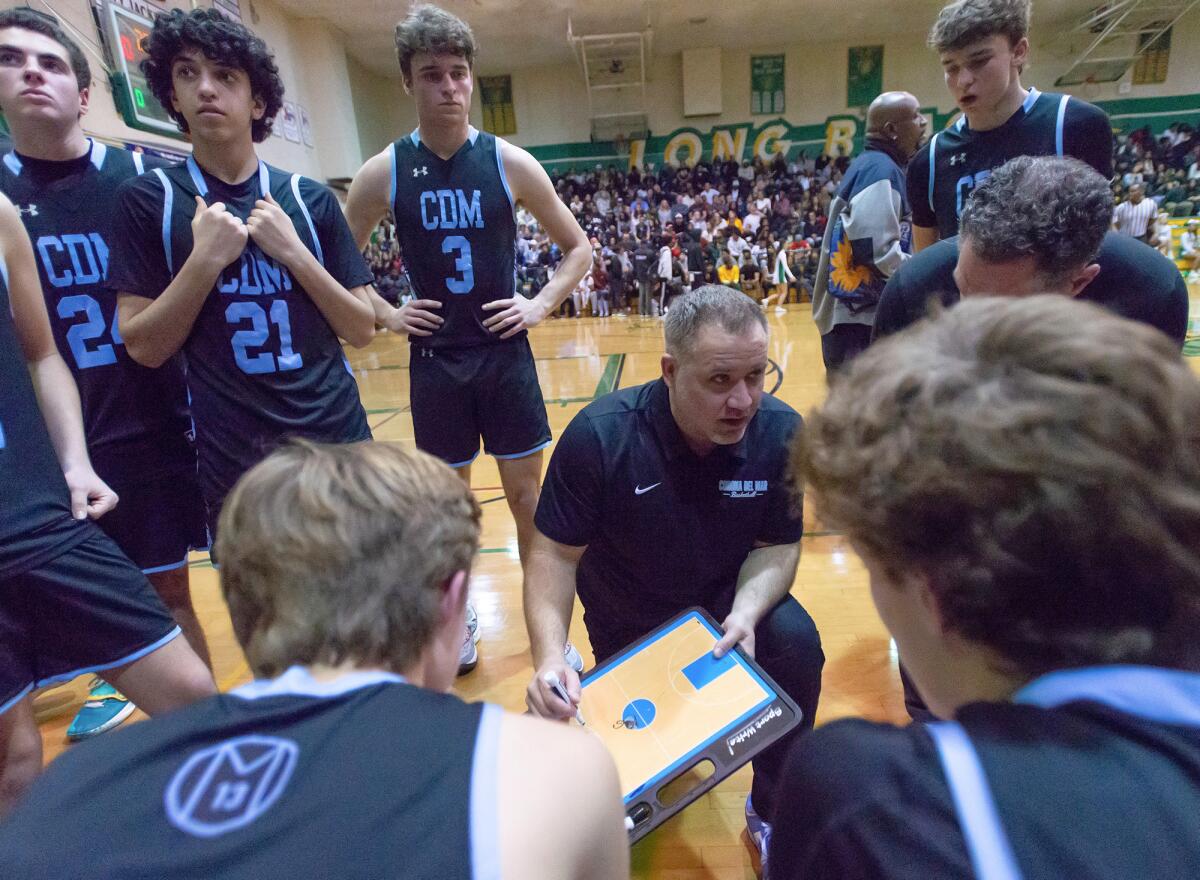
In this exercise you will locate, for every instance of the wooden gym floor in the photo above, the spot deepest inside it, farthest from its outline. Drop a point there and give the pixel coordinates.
(577, 361)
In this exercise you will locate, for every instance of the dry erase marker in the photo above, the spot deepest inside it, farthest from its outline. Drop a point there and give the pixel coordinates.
(556, 685)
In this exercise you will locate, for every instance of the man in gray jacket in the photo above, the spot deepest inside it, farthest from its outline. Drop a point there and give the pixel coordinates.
(869, 234)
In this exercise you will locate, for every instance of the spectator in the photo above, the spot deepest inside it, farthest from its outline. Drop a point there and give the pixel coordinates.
(728, 272)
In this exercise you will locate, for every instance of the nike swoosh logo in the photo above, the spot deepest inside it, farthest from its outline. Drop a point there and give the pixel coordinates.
(638, 490)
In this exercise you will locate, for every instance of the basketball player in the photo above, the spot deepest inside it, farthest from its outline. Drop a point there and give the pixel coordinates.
(70, 602)
(1021, 478)
(346, 757)
(453, 191)
(1039, 224)
(249, 270)
(136, 419)
(984, 46)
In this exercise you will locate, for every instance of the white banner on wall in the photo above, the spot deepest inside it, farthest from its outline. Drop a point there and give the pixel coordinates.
(291, 122)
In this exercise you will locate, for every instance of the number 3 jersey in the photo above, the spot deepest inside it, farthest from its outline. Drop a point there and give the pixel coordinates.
(457, 233)
(136, 419)
(262, 363)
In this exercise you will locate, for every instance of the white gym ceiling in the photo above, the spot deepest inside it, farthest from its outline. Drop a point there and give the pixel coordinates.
(523, 33)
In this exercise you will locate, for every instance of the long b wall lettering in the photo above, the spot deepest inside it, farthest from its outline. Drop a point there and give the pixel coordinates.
(838, 136)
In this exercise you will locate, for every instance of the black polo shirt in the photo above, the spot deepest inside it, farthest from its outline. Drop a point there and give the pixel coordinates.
(1082, 790)
(1135, 281)
(664, 528)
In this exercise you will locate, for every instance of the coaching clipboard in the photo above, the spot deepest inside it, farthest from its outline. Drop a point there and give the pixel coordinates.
(664, 705)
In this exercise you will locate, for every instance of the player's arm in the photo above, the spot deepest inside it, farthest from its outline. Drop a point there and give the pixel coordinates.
(58, 398)
(1089, 136)
(763, 580)
(154, 329)
(348, 311)
(366, 205)
(531, 188)
(924, 220)
(923, 237)
(541, 767)
(549, 597)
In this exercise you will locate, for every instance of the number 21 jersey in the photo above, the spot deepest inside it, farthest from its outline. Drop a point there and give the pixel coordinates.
(262, 363)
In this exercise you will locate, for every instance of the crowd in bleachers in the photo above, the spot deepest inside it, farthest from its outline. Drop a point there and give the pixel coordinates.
(1168, 167)
(756, 226)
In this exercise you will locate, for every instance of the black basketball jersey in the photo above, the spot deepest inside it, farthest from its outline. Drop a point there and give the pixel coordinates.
(457, 233)
(35, 505)
(359, 779)
(136, 418)
(263, 364)
(944, 172)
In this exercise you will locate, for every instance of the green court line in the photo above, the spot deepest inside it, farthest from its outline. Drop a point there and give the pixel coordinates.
(608, 379)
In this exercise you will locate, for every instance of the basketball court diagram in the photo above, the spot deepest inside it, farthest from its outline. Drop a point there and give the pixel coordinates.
(665, 700)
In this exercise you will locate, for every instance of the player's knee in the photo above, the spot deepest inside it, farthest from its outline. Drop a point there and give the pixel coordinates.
(524, 498)
(20, 762)
(174, 589)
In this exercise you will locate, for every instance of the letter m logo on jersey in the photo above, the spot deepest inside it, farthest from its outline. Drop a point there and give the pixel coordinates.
(227, 786)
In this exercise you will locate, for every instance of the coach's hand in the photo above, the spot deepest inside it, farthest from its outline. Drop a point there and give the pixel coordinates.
(541, 699)
(414, 318)
(513, 315)
(274, 232)
(90, 495)
(738, 631)
(217, 235)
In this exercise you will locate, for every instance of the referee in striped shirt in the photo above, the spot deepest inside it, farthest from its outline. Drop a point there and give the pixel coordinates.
(1136, 216)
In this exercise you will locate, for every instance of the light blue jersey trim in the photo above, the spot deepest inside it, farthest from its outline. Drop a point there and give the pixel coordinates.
(139, 163)
(933, 168)
(13, 163)
(458, 464)
(197, 177)
(18, 698)
(395, 175)
(991, 854)
(415, 136)
(1166, 696)
(4, 275)
(1030, 99)
(299, 682)
(312, 230)
(525, 454)
(485, 796)
(129, 658)
(264, 177)
(99, 151)
(168, 205)
(503, 176)
(171, 567)
(472, 134)
(1058, 126)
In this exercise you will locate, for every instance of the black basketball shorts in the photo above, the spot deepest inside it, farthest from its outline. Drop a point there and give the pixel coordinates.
(158, 520)
(86, 610)
(491, 391)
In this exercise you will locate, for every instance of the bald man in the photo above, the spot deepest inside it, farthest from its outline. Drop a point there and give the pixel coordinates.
(869, 235)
